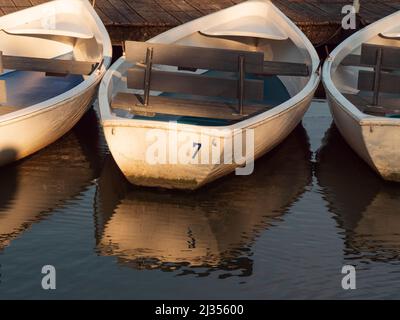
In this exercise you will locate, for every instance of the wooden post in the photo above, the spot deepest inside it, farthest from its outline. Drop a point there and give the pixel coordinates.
(147, 75)
(123, 48)
(3, 85)
(241, 83)
(377, 77)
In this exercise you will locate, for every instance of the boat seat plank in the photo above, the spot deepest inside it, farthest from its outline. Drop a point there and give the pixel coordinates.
(195, 84)
(183, 107)
(358, 101)
(368, 57)
(352, 60)
(195, 57)
(275, 68)
(55, 66)
(389, 82)
(390, 56)
(365, 106)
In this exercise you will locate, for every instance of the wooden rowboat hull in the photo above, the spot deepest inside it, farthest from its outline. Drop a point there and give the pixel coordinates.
(375, 142)
(25, 136)
(128, 138)
(376, 139)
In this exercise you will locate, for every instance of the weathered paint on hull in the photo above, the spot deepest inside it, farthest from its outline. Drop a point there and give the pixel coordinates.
(377, 144)
(130, 153)
(28, 134)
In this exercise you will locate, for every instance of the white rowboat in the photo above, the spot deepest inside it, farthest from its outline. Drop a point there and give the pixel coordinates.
(362, 83)
(189, 62)
(53, 58)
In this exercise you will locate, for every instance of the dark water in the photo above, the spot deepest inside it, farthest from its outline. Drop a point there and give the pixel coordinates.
(311, 207)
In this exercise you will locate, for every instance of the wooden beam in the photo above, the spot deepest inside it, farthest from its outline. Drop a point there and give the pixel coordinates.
(377, 76)
(390, 56)
(147, 75)
(195, 57)
(364, 105)
(357, 101)
(389, 82)
(352, 60)
(382, 110)
(195, 84)
(275, 68)
(55, 66)
(241, 84)
(182, 107)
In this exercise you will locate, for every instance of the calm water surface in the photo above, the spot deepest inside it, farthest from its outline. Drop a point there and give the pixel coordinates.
(311, 207)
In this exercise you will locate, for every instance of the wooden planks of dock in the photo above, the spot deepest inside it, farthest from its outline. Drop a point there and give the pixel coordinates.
(142, 19)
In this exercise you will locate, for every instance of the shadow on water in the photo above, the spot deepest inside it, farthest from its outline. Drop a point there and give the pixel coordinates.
(212, 229)
(31, 188)
(366, 207)
(8, 175)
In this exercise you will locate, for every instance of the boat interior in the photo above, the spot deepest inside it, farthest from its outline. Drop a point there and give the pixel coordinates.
(30, 75)
(369, 77)
(207, 79)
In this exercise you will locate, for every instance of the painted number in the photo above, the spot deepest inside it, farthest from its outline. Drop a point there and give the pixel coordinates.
(197, 147)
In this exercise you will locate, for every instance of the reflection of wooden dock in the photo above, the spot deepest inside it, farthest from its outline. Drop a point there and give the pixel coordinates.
(141, 19)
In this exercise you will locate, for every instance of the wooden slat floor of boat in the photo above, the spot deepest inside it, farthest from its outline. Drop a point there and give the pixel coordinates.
(183, 107)
(142, 19)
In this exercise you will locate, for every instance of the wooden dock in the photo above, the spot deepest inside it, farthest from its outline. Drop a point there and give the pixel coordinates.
(142, 19)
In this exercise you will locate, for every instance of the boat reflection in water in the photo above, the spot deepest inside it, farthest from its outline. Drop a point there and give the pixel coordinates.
(204, 231)
(30, 189)
(365, 206)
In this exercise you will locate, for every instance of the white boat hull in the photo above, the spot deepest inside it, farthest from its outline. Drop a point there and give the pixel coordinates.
(26, 135)
(128, 138)
(376, 143)
(376, 139)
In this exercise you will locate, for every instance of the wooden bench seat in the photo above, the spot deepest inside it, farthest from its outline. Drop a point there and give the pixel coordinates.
(352, 60)
(183, 107)
(382, 109)
(275, 68)
(247, 92)
(54, 66)
(49, 66)
(367, 58)
(385, 78)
